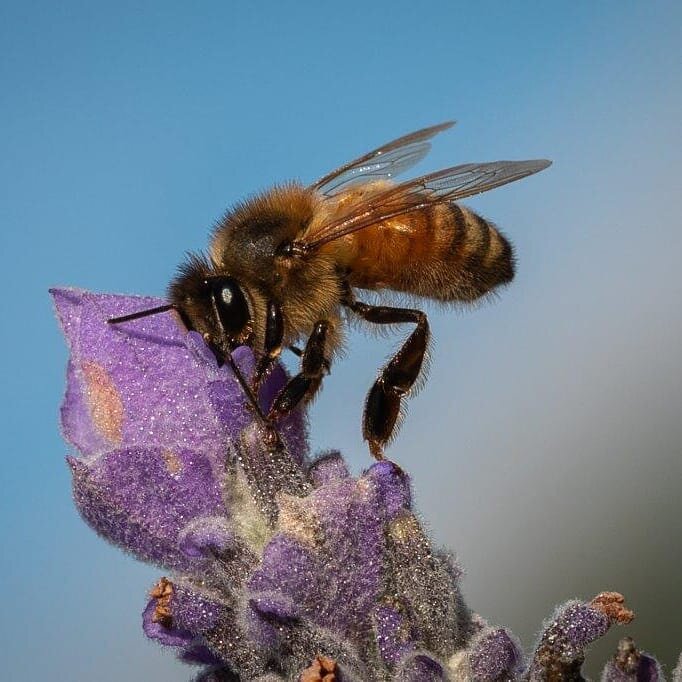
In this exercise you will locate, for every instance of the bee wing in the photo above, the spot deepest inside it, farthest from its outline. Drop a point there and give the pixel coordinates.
(444, 186)
(384, 162)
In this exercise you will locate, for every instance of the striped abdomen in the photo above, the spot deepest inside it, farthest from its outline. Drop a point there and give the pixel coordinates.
(444, 251)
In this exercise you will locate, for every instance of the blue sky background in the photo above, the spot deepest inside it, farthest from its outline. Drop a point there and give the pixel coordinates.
(546, 448)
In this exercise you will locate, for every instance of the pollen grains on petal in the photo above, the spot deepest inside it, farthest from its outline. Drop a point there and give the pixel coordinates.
(104, 401)
(298, 519)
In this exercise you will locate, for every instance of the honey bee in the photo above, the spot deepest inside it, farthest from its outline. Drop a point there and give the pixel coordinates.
(284, 265)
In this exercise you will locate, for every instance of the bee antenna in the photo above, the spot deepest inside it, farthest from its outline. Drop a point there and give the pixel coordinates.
(141, 313)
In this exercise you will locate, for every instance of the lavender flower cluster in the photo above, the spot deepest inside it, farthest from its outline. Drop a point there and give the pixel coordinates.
(281, 567)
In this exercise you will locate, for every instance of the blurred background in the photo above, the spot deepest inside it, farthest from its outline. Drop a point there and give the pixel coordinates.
(546, 448)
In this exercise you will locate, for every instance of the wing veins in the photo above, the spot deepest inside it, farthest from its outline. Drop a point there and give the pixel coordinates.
(444, 186)
(393, 158)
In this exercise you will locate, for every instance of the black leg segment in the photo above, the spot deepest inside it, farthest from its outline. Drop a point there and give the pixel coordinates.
(382, 407)
(274, 333)
(306, 383)
(299, 353)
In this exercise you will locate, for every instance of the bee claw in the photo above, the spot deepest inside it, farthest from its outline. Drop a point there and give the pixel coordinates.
(376, 450)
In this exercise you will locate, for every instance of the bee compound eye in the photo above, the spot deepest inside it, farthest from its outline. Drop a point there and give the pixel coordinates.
(231, 304)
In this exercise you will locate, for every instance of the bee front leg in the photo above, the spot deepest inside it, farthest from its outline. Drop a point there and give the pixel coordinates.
(274, 334)
(382, 407)
(306, 383)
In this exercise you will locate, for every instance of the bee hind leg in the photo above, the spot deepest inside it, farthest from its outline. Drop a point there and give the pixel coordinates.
(306, 383)
(397, 377)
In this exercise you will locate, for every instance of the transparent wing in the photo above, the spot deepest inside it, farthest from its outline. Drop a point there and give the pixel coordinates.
(444, 186)
(383, 163)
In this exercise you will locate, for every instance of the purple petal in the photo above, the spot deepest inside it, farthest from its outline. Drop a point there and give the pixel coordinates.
(631, 665)
(203, 355)
(351, 517)
(206, 536)
(393, 486)
(142, 498)
(327, 468)
(288, 567)
(581, 624)
(192, 611)
(67, 304)
(420, 668)
(77, 416)
(268, 616)
(494, 655)
(139, 384)
(648, 669)
(292, 428)
(276, 382)
(156, 630)
(328, 558)
(178, 616)
(148, 382)
(197, 654)
(274, 607)
(393, 635)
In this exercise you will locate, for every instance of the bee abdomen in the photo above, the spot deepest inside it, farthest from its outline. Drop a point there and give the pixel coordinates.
(445, 252)
(475, 256)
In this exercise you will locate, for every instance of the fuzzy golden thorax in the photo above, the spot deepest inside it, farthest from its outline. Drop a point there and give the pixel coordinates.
(247, 245)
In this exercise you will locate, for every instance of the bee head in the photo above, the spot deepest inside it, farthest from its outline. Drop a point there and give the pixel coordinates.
(215, 305)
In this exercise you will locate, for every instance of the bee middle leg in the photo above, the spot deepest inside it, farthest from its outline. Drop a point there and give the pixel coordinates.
(306, 383)
(382, 406)
(299, 353)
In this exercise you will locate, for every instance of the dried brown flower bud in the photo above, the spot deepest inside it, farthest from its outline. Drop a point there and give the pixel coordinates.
(162, 592)
(322, 669)
(612, 605)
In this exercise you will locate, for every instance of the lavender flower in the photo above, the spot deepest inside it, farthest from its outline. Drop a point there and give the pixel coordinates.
(560, 652)
(631, 665)
(281, 567)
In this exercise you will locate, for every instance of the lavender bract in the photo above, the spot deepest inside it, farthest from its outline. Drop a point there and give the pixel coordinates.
(283, 567)
(631, 665)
